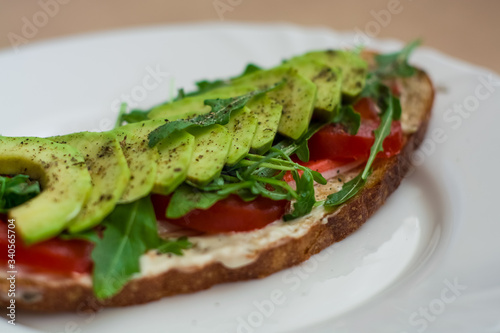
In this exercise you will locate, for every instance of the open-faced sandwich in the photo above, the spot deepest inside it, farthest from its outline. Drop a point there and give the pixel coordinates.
(237, 180)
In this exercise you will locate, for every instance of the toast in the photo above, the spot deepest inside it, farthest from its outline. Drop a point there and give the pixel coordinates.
(268, 250)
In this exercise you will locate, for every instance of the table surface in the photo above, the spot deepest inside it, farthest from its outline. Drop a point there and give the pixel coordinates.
(466, 29)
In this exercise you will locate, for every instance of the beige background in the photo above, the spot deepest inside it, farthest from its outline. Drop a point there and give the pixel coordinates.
(465, 29)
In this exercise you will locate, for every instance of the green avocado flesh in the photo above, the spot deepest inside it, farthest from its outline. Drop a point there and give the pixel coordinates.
(109, 172)
(353, 67)
(242, 127)
(296, 94)
(64, 178)
(141, 160)
(211, 147)
(327, 80)
(175, 156)
(268, 115)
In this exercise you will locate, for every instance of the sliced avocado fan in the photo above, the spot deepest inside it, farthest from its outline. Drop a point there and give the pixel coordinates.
(296, 95)
(353, 67)
(327, 80)
(174, 155)
(64, 178)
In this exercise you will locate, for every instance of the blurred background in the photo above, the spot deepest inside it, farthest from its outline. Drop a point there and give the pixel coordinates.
(466, 29)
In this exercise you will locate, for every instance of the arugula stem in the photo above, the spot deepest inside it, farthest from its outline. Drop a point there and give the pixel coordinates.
(266, 165)
(230, 178)
(228, 189)
(273, 160)
(279, 183)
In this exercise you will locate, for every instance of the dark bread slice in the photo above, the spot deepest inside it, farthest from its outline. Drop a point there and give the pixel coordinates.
(47, 295)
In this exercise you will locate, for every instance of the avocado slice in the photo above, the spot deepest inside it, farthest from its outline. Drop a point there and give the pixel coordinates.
(109, 172)
(176, 153)
(354, 68)
(141, 160)
(268, 114)
(242, 127)
(193, 106)
(174, 156)
(327, 80)
(64, 179)
(211, 147)
(296, 94)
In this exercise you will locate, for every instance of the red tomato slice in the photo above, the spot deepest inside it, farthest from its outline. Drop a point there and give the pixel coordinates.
(367, 108)
(54, 255)
(333, 142)
(230, 214)
(318, 165)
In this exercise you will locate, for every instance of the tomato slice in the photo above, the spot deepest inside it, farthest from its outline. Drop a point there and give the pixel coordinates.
(367, 108)
(228, 215)
(52, 256)
(317, 165)
(334, 142)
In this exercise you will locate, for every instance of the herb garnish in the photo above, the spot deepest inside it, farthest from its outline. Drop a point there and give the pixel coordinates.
(130, 230)
(349, 118)
(396, 64)
(16, 190)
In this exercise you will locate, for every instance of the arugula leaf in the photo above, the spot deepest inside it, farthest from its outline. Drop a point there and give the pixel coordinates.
(16, 190)
(303, 152)
(187, 198)
(205, 85)
(392, 111)
(135, 116)
(306, 199)
(130, 231)
(381, 94)
(251, 68)
(220, 114)
(175, 246)
(349, 118)
(382, 131)
(318, 177)
(348, 190)
(396, 64)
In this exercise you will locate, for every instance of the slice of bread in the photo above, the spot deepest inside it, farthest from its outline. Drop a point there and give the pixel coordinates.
(271, 249)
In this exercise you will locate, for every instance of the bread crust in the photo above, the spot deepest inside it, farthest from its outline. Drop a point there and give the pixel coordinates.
(72, 296)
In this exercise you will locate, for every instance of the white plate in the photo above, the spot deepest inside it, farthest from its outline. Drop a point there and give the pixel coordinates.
(429, 260)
